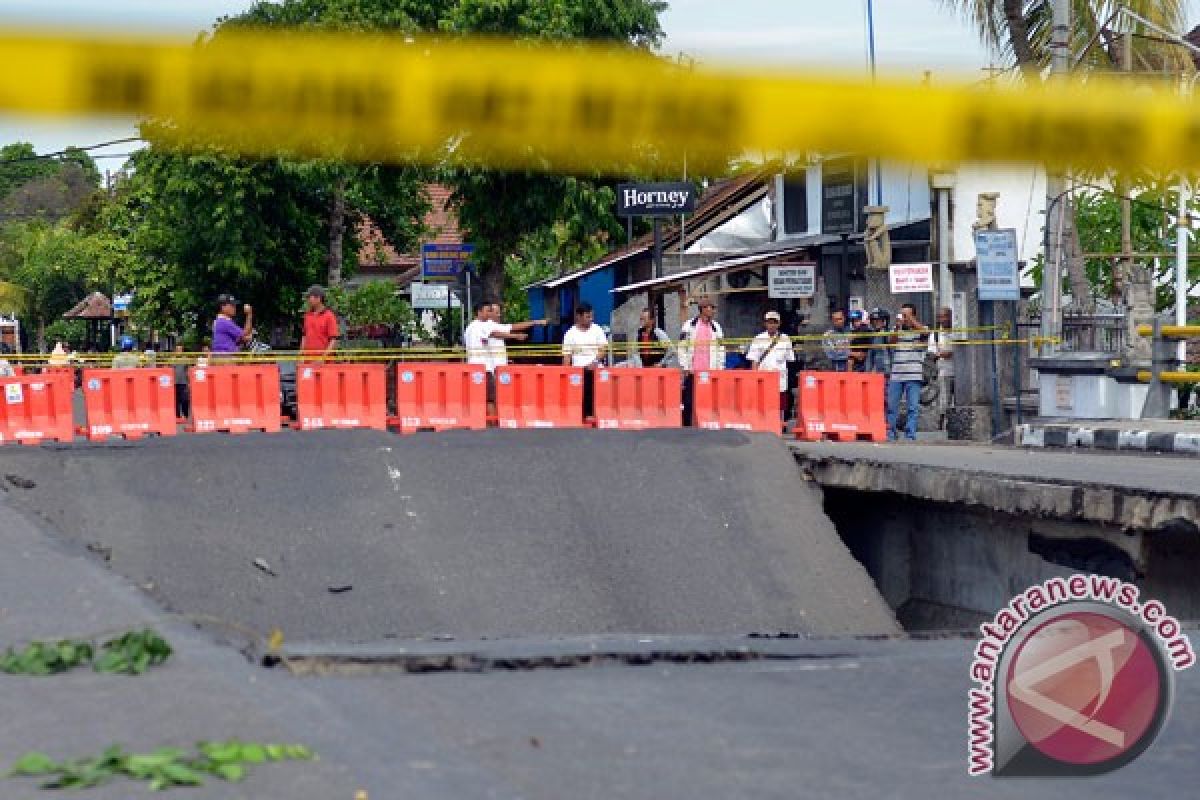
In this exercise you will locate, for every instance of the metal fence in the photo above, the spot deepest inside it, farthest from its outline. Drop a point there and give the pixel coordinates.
(1091, 333)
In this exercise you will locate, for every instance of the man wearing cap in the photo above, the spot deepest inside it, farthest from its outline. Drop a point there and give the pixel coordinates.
(771, 351)
(320, 324)
(700, 348)
(227, 336)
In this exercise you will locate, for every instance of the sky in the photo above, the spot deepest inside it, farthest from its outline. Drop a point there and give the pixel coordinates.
(912, 36)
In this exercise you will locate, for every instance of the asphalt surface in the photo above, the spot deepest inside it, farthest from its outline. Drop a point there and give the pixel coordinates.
(1129, 470)
(827, 718)
(853, 719)
(364, 536)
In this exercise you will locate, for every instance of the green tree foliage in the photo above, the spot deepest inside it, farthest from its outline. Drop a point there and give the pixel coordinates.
(56, 266)
(52, 188)
(373, 303)
(206, 223)
(1098, 215)
(1020, 30)
(498, 209)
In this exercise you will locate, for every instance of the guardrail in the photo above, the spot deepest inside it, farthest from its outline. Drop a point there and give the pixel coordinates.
(1158, 400)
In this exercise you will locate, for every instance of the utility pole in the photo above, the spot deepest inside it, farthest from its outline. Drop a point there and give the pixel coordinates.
(1125, 264)
(1060, 65)
(871, 59)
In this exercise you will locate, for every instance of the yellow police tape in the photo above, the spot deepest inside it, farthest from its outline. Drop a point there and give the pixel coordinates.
(555, 351)
(567, 106)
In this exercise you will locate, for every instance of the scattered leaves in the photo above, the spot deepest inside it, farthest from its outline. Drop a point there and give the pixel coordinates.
(162, 769)
(130, 654)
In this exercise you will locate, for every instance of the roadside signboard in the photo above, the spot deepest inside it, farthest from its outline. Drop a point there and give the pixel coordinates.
(791, 281)
(444, 262)
(843, 194)
(433, 296)
(911, 278)
(996, 260)
(655, 199)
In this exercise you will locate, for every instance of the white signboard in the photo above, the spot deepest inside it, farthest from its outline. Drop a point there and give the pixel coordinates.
(996, 259)
(791, 281)
(911, 278)
(1064, 392)
(432, 296)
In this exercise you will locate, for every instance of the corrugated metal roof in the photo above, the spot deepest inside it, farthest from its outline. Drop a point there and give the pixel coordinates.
(740, 262)
(607, 261)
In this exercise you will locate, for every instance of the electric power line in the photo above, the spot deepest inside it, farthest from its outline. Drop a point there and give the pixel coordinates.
(70, 151)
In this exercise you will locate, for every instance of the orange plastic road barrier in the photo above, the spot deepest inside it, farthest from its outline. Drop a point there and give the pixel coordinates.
(633, 399)
(742, 400)
(441, 396)
(37, 408)
(129, 402)
(235, 398)
(539, 397)
(846, 406)
(341, 396)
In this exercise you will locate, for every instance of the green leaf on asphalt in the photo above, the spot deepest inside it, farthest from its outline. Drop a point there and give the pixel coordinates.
(33, 764)
(253, 753)
(230, 772)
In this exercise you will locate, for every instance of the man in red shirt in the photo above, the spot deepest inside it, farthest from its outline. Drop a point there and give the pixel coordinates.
(320, 325)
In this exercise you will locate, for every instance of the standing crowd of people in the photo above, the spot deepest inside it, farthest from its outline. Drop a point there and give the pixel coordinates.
(856, 341)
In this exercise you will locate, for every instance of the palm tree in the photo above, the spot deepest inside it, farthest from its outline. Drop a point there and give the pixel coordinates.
(1020, 31)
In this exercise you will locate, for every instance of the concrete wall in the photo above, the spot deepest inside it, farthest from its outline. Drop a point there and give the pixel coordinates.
(905, 193)
(1022, 200)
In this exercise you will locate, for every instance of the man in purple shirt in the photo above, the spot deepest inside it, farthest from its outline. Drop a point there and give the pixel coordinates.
(227, 336)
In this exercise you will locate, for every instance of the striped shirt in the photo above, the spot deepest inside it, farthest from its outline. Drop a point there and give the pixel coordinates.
(908, 356)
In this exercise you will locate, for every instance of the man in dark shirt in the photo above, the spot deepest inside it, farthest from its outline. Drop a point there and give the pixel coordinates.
(653, 344)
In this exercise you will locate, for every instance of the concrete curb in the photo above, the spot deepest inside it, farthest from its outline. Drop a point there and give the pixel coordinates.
(1107, 438)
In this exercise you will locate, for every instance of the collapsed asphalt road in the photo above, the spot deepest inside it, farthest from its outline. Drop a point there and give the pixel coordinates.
(364, 536)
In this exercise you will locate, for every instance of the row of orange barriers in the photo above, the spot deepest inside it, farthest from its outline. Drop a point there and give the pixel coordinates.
(432, 396)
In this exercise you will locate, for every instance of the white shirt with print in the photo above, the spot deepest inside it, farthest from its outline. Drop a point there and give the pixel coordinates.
(584, 346)
(475, 339)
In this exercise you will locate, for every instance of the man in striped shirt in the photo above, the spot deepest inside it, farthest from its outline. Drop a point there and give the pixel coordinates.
(908, 368)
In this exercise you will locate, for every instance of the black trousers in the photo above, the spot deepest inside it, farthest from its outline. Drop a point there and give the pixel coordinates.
(688, 395)
(183, 400)
(589, 392)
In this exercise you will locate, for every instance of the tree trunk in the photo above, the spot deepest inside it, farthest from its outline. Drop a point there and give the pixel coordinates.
(41, 334)
(1018, 35)
(1077, 279)
(494, 280)
(337, 229)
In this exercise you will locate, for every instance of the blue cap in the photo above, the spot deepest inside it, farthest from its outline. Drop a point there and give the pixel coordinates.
(127, 343)
(857, 316)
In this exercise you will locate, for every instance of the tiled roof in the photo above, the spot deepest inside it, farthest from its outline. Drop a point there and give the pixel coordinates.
(376, 255)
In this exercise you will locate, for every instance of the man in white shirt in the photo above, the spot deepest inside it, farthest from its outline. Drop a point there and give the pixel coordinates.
(584, 345)
(495, 342)
(700, 348)
(771, 351)
(477, 340)
(941, 344)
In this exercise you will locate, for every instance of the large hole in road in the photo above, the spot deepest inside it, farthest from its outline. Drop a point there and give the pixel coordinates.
(951, 567)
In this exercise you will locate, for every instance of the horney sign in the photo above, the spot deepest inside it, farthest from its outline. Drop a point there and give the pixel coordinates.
(655, 199)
